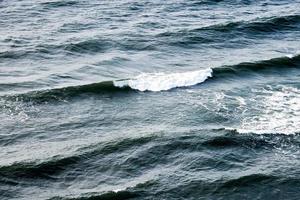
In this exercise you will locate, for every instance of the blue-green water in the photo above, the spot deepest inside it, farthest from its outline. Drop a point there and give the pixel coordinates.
(153, 99)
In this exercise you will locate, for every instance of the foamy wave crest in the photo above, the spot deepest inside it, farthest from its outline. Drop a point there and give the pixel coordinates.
(162, 81)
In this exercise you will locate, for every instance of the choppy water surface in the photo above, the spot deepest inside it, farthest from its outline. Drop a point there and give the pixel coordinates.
(153, 99)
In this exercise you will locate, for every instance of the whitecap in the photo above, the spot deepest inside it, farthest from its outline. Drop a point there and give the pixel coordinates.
(279, 113)
(162, 81)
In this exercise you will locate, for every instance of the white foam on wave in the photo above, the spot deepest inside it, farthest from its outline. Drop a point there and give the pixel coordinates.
(279, 113)
(162, 81)
(293, 54)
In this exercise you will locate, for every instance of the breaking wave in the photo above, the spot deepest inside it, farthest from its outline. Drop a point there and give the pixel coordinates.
(163, 81)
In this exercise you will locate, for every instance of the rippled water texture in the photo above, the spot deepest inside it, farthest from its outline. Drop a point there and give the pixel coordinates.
(185, 99)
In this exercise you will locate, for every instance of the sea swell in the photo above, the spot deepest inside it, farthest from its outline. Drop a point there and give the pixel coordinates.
(211, 34)
(46, 169)
(147, 150)
(190, 152)
(147, 100)
(233, 31)
(225, 188)
(111, 195)
(155, 82)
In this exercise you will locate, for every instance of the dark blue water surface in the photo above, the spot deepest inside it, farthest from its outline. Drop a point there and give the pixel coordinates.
(176, 99)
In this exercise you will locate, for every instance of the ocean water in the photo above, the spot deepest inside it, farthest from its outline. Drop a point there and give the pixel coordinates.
(128, 99)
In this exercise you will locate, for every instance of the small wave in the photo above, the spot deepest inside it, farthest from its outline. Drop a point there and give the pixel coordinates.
(55, 4)
(267, 131)
(258, 25)
(280, 63)
(44, 169)
(252, 179)
(217, 32)
(62, 94)
(267, 128)
(214, 33)
(87, 46)
(233, 140)
(161, 81)
(145, 82)
(262, 25)
(112, 195)
(33, 170)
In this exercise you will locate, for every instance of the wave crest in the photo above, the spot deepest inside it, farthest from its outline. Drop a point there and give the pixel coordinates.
(162, 81)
